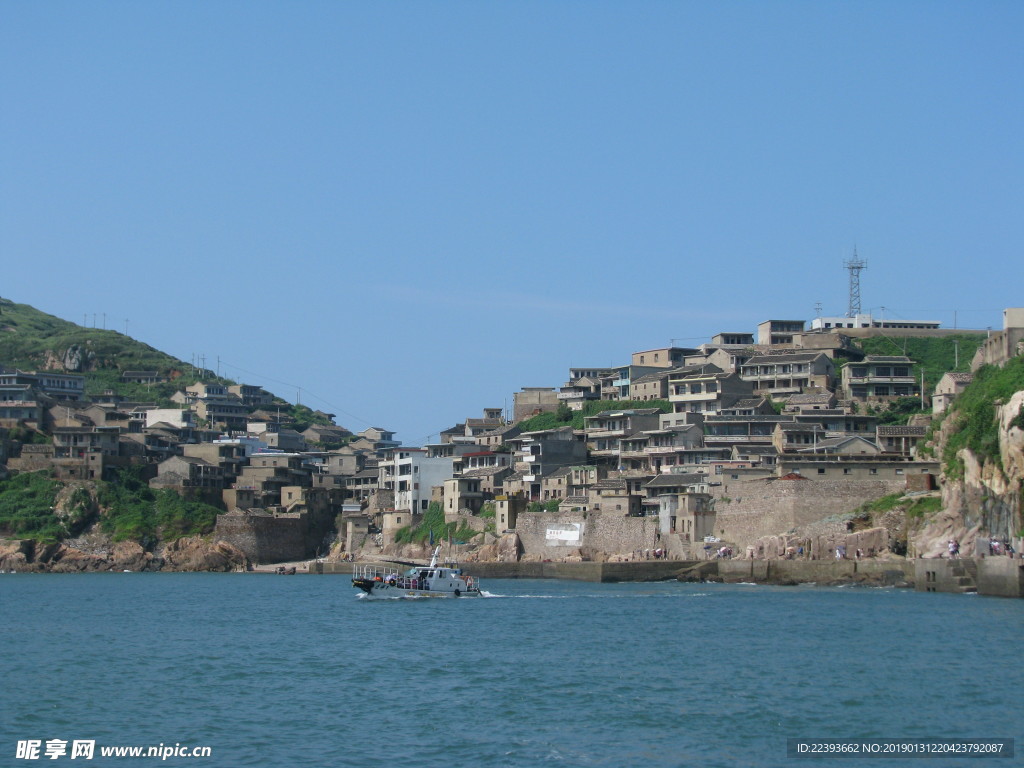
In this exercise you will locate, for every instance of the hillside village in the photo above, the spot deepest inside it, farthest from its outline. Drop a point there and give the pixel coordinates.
(755, 444)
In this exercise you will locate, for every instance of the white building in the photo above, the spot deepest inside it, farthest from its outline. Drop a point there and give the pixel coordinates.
(867, 321)
(411, 475)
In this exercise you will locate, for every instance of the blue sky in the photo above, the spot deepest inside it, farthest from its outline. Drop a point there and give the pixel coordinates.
(412, 210)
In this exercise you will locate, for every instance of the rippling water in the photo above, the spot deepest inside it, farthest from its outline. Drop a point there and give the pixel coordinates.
(299, 672)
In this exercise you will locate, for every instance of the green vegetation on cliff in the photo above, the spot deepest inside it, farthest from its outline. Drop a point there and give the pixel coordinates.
(433, 527)
(937, 355)
(134, 511)
(27, 504)
(129, 510)
(974, 412)
(31, 339)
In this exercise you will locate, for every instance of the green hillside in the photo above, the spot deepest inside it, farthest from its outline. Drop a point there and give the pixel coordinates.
(937, 355)
(33, 340)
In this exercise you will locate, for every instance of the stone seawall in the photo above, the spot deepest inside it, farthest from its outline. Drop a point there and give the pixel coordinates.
(265, 538)
(998, 576)
(599, 532)
(892, 572)
(758, 509)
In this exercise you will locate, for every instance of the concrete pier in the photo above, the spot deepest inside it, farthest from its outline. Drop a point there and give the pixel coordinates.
(996, 576)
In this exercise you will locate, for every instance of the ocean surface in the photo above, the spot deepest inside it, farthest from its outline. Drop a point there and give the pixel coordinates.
(271, 671)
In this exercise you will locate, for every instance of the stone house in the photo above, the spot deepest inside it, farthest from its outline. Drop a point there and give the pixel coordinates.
(229, 456)
(474, 460)
(251, 395)
(652, 386)
(705, 389)
(327, 436)
(663, 357)
(729, 431)
(462, 493)
(76, 442)
(495, 438)
(532, 401)
(848, 445)
(879, 378)
(949, 388)
(900, 439)
(772, 333)
(575, 393)
(1000, 347)
(143, 377)
(613, 495)
(783, 375)
(536, 454)
(606, 430)
(491, 479)
(181, 472)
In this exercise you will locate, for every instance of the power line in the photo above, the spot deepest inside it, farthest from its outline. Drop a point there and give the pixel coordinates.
(306, 392)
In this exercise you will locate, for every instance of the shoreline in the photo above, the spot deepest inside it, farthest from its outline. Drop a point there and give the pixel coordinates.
(989, 576)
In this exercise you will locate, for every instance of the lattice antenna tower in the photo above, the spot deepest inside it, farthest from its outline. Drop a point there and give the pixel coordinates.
(855, 265)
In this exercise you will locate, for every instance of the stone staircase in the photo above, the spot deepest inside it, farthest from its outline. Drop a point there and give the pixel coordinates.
(963, 574)
(941, 575)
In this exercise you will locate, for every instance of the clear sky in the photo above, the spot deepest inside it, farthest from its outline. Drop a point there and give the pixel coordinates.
(411, 210)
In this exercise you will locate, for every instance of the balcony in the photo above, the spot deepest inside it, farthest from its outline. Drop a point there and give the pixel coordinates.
(577, 396)
(733, 439)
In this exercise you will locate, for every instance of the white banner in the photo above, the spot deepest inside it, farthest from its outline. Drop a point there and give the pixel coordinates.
(562, 534)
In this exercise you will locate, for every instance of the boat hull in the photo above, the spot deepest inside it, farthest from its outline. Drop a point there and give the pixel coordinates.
(376, 590)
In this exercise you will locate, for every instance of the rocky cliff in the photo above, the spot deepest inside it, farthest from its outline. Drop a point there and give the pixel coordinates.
(981, 493)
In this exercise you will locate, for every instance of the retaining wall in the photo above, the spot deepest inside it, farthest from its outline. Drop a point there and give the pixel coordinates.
(761, 508)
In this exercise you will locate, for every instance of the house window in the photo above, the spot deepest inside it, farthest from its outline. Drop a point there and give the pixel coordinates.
(821, 470)
(846, 470)
(899, 471)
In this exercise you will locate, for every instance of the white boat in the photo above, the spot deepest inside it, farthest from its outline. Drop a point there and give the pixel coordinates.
(384, 581)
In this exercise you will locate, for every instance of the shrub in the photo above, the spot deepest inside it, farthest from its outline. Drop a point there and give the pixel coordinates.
(27, 507)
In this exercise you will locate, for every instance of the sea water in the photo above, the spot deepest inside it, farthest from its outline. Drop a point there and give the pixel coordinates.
(269, 671)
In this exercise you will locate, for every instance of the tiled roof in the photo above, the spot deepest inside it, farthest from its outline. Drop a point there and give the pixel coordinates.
(782, 357)
(809, 399)
(904, 431)
(673, 481)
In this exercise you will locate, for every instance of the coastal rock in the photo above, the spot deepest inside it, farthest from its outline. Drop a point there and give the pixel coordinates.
(15, 554)
(69, 560)
(197, 554)
(509, 548)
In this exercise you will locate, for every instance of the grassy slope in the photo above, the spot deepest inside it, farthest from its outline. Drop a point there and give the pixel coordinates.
(28, 335)
(936, 355)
